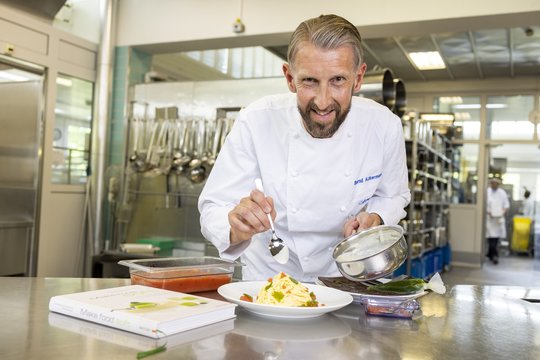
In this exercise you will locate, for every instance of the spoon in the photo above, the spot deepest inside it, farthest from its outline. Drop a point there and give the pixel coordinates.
(277, 248)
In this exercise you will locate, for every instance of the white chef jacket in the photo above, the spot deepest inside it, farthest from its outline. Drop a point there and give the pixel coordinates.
(316, 184)
(497, 202)
(528, 207)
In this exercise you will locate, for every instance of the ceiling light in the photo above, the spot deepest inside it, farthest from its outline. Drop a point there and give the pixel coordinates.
(437, 117)
(451, 99)
(429, 60)
(496, 106)
(477, 106)
(467, 106)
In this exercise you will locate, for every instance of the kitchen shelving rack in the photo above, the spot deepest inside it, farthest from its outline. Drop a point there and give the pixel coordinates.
(433, 163)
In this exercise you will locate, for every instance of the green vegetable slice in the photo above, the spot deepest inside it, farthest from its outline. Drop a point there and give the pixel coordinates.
(143, 354)
(403, 287)
(278, 295)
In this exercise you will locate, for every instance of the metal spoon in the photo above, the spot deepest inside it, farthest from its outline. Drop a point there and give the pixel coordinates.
(277, 248)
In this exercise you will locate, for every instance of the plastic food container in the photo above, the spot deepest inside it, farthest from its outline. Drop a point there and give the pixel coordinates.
(188, 274)
(398, 308)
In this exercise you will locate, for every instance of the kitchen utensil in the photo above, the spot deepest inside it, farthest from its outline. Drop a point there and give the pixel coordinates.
(215, 143)
(372, 253)
(277, 247)
(177, 166)
(136, 159)
(197, 173)
(149, 150)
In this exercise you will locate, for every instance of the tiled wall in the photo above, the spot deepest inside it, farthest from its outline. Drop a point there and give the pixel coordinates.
(130, 66)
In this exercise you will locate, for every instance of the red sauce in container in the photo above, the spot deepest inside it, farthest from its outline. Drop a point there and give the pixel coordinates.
(182, 282)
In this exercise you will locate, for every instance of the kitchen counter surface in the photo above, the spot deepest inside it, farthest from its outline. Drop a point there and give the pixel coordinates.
(468, 322)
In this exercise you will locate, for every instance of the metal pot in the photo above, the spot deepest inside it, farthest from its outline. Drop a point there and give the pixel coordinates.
(372, 253)
(379, 85)
(400, 104)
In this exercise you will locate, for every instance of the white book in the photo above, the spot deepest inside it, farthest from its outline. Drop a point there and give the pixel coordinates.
(143, 310)
(136, 341)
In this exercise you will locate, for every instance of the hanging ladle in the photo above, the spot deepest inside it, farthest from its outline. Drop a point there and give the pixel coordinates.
(277, 247)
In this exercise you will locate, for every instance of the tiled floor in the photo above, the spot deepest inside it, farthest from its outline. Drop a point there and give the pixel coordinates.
(519, 270)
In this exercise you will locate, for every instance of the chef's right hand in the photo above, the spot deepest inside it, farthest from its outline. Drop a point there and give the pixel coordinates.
(249, 216)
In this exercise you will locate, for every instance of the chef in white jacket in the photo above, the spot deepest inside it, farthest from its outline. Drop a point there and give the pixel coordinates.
(497, 206)
(331, 163)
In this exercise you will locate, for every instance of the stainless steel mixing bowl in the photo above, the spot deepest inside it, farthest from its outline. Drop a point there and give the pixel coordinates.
(372, 253)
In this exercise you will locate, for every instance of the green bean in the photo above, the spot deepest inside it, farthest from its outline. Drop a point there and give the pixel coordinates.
(143, 354)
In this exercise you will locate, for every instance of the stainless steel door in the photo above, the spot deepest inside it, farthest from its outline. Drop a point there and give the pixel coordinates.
(20, 138)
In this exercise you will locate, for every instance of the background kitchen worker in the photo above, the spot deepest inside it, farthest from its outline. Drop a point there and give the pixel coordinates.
(497, 206)
(323, 156)
(527, 207)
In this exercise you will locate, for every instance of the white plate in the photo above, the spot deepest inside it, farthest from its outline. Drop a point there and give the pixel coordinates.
(358, 297)
(332, 299)
(320, 328)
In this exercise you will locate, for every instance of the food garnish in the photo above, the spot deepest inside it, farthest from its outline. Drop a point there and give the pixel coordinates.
(284, 290)
(246, 297)
(411, 286)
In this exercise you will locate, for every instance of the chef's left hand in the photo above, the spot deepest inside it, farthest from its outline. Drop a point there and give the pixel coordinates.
(362, 221)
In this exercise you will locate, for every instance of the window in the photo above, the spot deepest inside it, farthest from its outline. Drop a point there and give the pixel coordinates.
(468, 174)
(519, 166)
(72, 131)
(508, 117)
(240, 63)
(466, 110)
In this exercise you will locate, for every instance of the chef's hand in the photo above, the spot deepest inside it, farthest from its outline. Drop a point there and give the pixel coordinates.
(249, 216)
(362, 221)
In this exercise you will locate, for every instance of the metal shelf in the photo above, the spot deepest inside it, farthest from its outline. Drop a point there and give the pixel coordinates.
(424, 162)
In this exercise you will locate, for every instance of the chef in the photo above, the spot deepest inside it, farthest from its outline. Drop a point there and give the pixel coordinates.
(497, 206)
(331, 163)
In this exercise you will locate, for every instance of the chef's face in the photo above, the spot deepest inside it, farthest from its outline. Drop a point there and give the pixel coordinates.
(324, 81)
(494, 184)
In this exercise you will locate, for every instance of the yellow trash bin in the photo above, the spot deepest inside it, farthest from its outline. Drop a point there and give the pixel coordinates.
(521, 234)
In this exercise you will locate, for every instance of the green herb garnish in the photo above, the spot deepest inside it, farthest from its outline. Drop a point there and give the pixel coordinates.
(311, 303)
(143, 354)
(293, 280)
(278, 295)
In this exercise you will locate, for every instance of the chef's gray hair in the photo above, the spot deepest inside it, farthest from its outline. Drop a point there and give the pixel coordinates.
(326, 32)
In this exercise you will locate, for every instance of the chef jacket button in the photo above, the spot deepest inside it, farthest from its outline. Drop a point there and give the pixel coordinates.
(342, 209)
(306, 258)
(330, 248)
(347, 173)
(349, 134)
(295, 135)
(294, 210)
(294, 174)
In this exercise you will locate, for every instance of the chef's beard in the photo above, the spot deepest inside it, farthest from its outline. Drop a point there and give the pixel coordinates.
(322, 131)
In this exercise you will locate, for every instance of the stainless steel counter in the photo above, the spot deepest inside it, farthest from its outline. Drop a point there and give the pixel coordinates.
(468, 322)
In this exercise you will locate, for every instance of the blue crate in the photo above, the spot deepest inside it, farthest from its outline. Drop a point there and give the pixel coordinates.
(402, 270)
(428, 264)
(417, 268)
(438, 260)
(447, 255)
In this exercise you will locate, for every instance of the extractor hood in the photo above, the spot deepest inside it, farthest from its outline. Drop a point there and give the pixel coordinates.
(46, 9)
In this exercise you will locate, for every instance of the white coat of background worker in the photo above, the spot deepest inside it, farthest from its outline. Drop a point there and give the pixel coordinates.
(497, 206)
(527, 208)
(322, 155)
